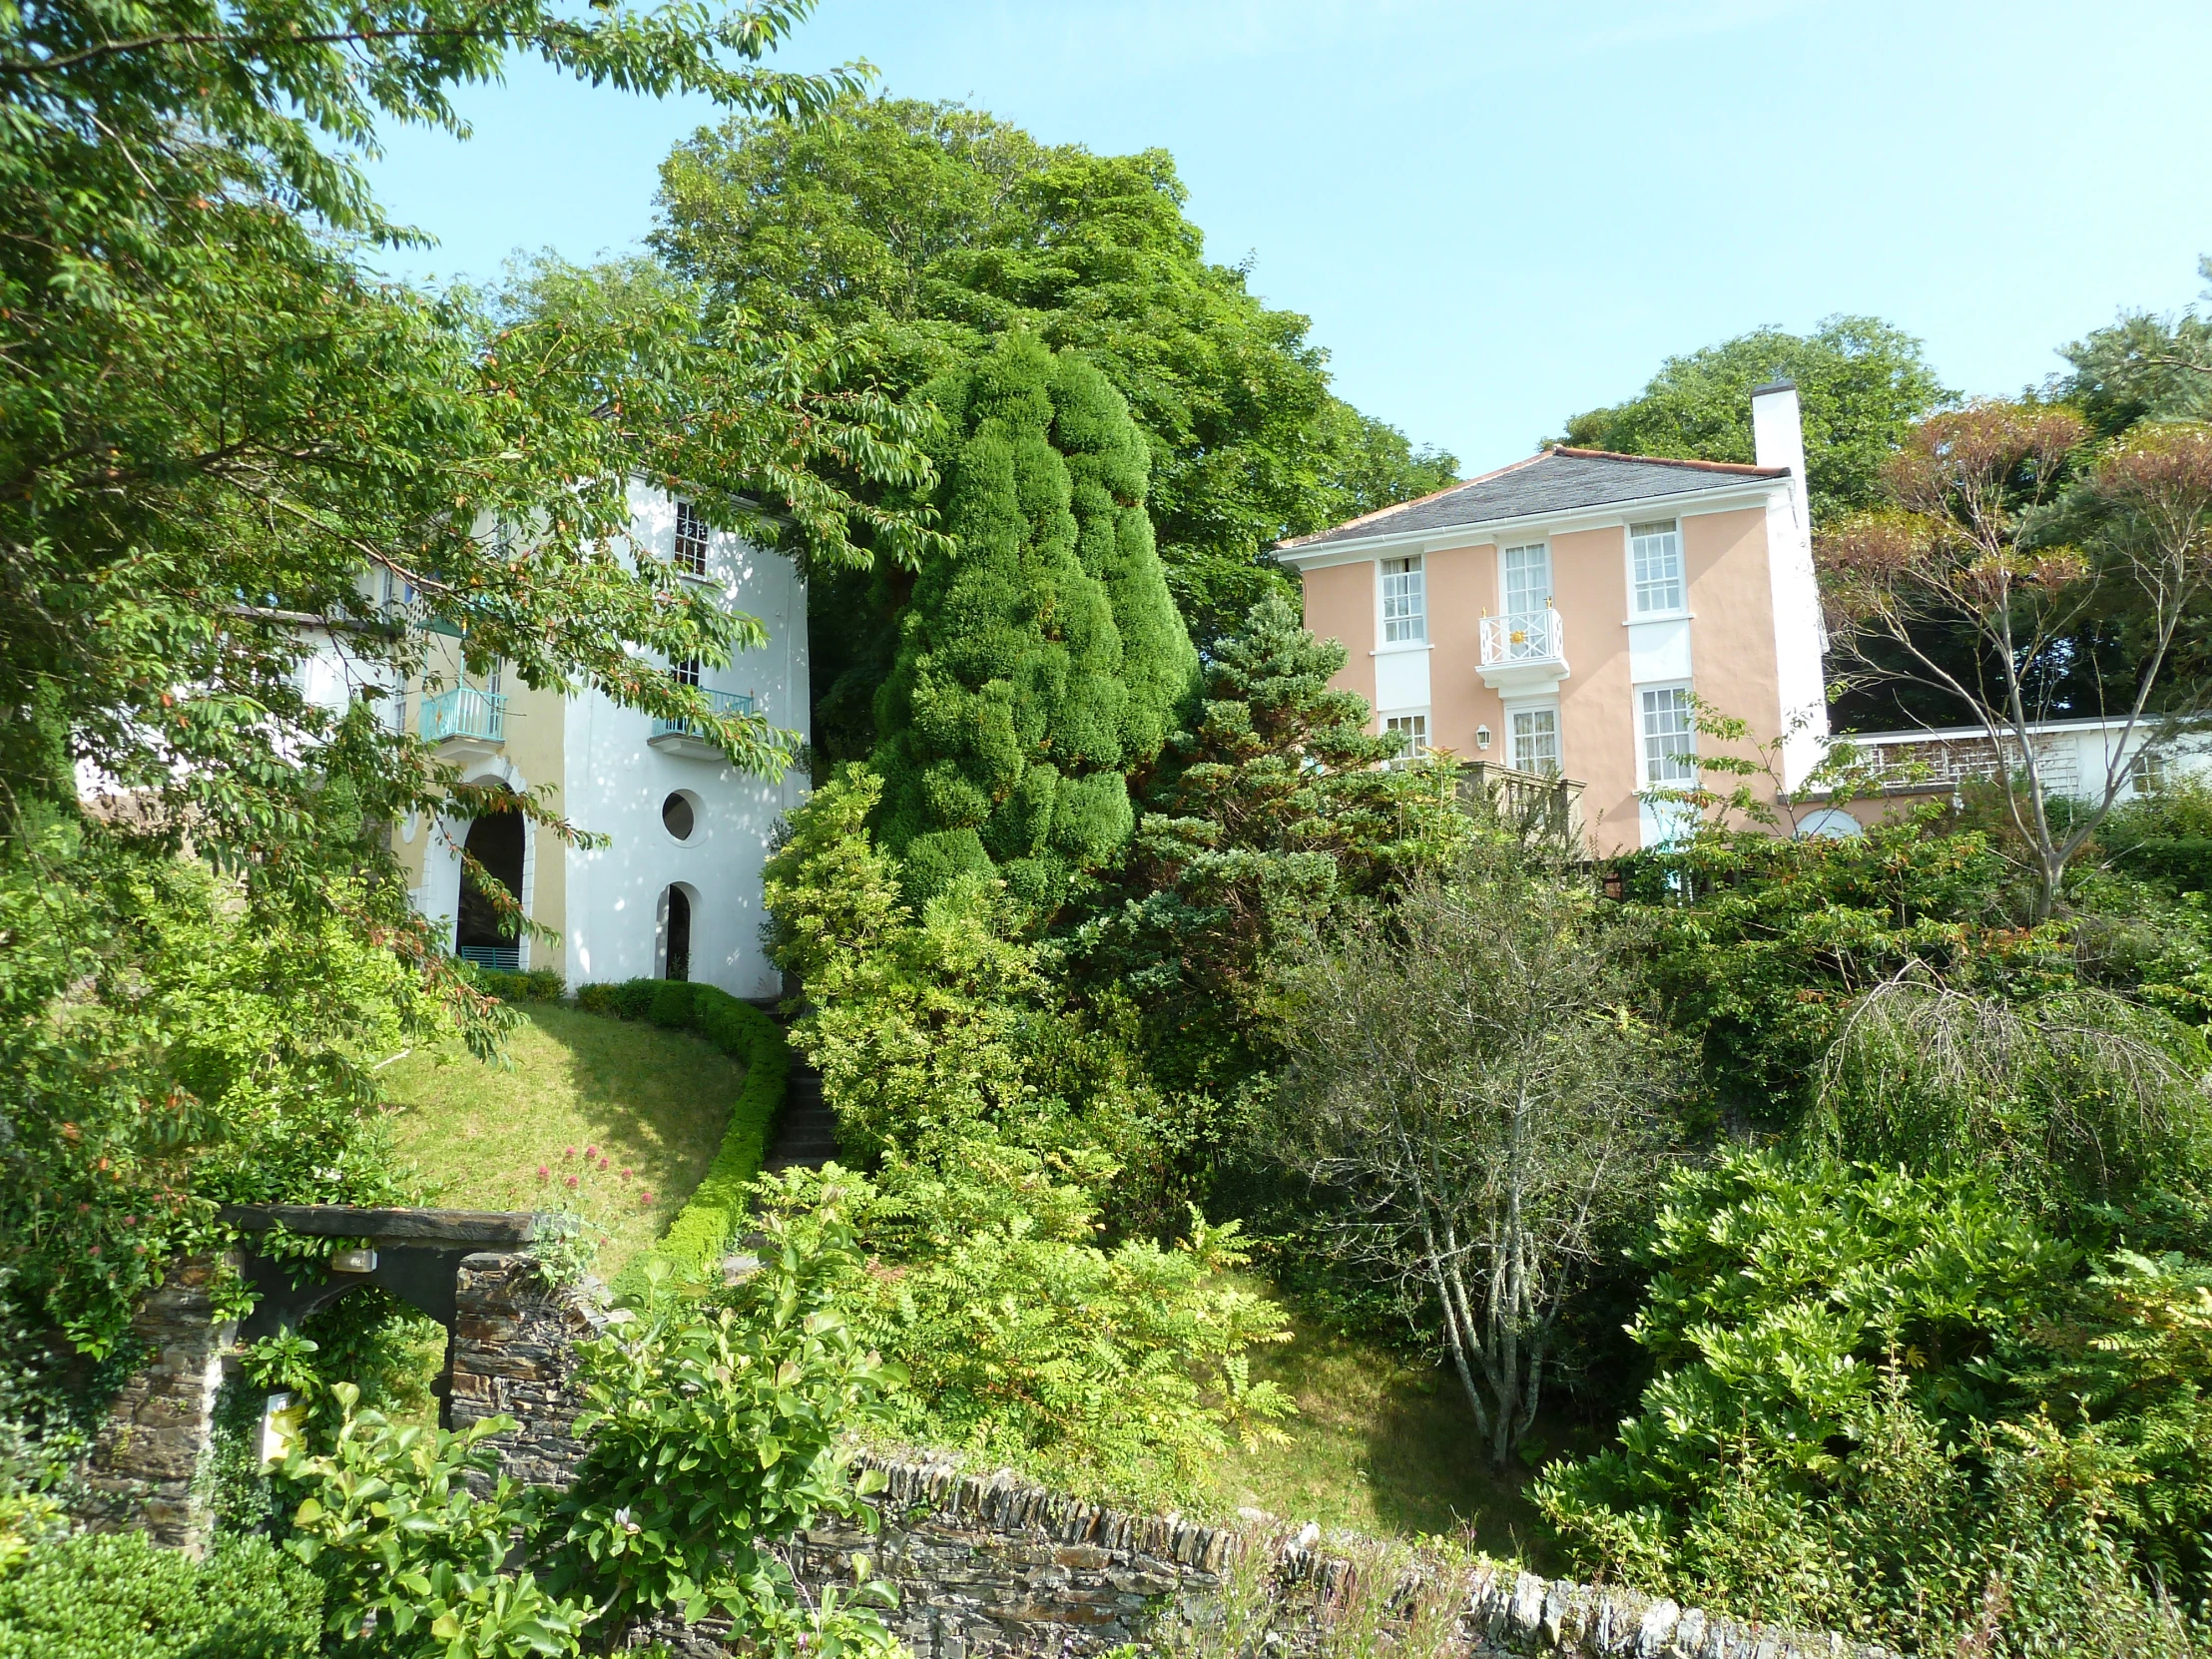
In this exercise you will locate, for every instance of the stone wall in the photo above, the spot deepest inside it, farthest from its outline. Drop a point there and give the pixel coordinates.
(512, 1351)
(985, 1565)
(144, 1465)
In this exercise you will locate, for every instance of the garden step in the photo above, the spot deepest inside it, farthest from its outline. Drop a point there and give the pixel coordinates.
(806, 1134)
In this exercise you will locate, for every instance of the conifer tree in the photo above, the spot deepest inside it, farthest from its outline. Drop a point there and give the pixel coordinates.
(1045, 659)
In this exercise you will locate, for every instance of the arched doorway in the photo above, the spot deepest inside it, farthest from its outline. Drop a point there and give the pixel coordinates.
(675, 921)
(495, 842)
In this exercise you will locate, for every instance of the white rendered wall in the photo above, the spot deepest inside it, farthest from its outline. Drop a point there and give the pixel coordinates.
(616, 782)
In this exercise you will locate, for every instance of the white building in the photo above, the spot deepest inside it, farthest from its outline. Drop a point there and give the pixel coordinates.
(675, 892)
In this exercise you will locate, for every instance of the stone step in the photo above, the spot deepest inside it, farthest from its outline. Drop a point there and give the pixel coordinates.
(806, 1134)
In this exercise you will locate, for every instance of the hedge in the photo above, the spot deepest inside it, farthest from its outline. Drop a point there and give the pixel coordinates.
(538, 985)
(118, 1596)
(695, 1239)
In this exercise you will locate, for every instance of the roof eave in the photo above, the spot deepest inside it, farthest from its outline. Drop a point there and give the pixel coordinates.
(1307, 552)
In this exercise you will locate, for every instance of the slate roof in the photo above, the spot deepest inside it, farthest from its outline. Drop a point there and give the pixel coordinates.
(1556, 481)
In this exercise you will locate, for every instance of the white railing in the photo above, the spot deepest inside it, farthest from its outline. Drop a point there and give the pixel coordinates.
(464, 712)
(1537, 637)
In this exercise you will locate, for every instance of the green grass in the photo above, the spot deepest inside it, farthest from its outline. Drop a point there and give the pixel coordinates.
(650, 1100)
(1381, 1445)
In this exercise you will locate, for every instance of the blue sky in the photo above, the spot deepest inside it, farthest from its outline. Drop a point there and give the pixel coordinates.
(1497, 215)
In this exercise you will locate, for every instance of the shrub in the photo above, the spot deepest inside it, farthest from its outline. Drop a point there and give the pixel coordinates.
(715, 1436)
(119, 1597)
(596, 999)
(673, 1004)
(538, 985)
(399, 1539)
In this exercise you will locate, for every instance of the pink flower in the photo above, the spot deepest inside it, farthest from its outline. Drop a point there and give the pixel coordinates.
(543, 1171)
(644, 1197)
(572, 1180)
(95, 1250)
(626, 1172)
(130, 1221)
(568, 1152)
(591, 1152)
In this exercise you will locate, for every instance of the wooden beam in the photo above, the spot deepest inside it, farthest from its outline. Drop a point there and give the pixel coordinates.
(455, 1227)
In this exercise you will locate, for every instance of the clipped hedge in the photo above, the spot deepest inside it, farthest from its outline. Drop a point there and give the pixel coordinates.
(538, 985)
(695, 1239)
(119, 1597)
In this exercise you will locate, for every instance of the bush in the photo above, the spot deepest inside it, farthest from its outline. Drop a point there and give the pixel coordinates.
(674, 1003)
(538, 985)
(120, 1597)
(695, 1237)
(393, 1528)
(716, 1432)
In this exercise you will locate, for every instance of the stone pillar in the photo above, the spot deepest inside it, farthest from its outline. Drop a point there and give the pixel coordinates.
(147, 1454)
(512, 1353)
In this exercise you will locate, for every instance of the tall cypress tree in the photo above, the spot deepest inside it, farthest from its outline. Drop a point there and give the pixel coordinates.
(1043, 661)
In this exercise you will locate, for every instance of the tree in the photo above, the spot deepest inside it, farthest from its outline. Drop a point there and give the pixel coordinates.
(935, 227)
(218, 430)
(1469, 1076)
(1861, 383)
(2140, 367)
(1961, 543)
(1044, 660)
(1271, 810)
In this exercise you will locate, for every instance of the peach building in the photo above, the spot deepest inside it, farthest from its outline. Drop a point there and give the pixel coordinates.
(1557, 615)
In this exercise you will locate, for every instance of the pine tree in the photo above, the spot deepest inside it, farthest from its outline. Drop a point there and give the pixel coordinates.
(1267, 814)
(1043, 660)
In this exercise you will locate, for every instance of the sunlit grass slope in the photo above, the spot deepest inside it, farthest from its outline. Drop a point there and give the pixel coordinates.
(1379, 1446)
(648, 1100)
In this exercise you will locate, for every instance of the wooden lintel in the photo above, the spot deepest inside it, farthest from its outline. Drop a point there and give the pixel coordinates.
(488, 1227)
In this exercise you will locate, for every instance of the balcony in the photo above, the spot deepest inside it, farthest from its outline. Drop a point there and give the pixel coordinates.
(688, 737)
(1525, 653)
(464, 721)
(1540, 808)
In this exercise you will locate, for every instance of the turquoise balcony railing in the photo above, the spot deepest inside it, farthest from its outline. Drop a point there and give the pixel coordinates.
(465, 712)
(723, 703)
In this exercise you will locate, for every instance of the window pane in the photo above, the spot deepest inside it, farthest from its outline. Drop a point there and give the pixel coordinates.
(1527, 579)
(687, 670)
(1412, 731)
(1656, 552)
(1404, 604)
(1670, 738)
(1536, 740)
(691, 540)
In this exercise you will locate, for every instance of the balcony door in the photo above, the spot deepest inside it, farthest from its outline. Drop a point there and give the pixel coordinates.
(1529, 598)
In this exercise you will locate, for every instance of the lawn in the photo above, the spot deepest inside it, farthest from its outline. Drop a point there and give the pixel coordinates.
(647, 1101)
(1382, 1445)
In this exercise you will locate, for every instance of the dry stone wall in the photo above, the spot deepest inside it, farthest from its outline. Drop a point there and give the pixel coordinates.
(985, 1565)
(145, 1464)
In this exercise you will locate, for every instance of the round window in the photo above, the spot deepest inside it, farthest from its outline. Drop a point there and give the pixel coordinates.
(677, 815)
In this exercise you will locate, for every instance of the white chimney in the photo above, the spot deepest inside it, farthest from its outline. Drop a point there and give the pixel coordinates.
(1777, 439)
(1801, 636)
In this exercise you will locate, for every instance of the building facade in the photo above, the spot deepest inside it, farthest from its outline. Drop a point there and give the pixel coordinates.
(1565, 615)
(676, 891)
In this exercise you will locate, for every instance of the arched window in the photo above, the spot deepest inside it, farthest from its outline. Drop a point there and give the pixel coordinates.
(676, 934)
(495, 842)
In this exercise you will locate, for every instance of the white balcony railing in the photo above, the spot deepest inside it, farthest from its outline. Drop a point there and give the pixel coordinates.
(465, 713)
(1537, 637)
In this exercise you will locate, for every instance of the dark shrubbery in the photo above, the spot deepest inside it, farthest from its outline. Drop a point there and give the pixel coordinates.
(120, 1597)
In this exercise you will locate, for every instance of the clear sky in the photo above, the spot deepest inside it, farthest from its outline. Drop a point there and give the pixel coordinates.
(1497, 215)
